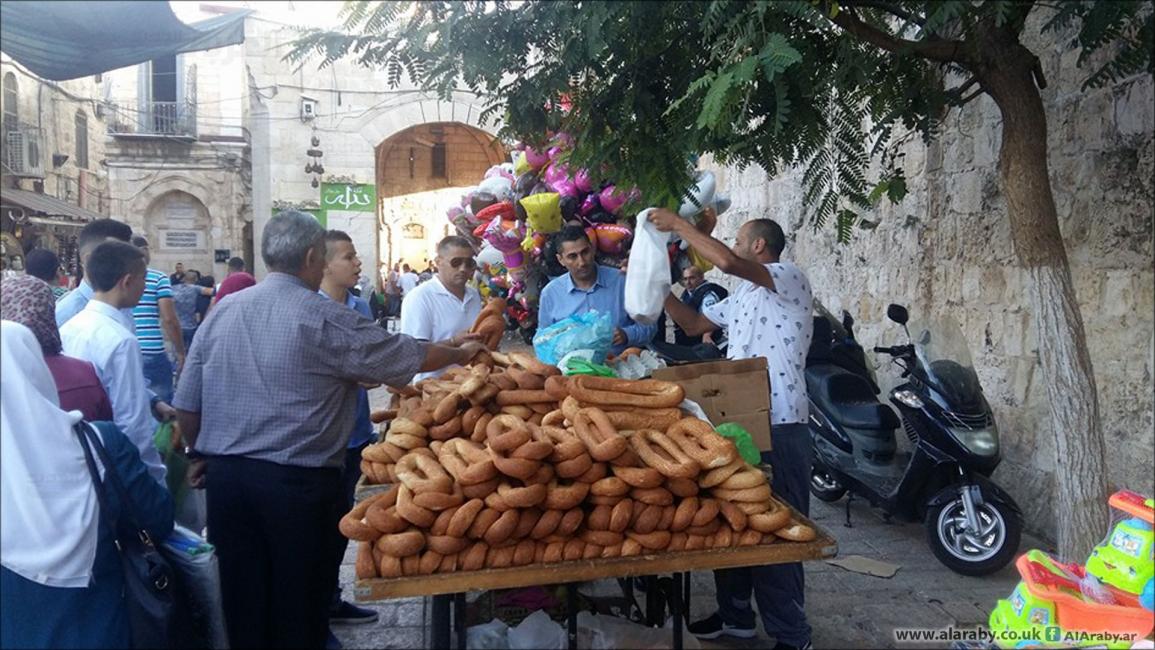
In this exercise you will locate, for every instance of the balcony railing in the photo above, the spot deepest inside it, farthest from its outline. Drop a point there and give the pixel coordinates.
(177, 119)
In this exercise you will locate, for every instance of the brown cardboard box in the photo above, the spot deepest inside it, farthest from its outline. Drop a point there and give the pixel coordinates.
(728, 391)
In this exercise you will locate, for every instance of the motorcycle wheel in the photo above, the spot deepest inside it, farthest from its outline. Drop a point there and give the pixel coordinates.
(825, 487)
(967, 553)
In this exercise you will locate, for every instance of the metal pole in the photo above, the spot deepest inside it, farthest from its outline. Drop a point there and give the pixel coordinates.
(441, 629)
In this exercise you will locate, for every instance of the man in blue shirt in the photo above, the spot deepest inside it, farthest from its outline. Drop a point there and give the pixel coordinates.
(342, 270)
(589, 286)
(91, 235)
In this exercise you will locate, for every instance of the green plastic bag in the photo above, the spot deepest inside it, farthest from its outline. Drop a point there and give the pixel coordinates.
(746, 447)
(176, 462)
(579, 366)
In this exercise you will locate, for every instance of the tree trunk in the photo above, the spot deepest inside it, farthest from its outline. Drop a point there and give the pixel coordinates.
(1080, 463)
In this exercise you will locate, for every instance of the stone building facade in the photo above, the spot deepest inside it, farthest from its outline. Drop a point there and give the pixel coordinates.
(946, 249)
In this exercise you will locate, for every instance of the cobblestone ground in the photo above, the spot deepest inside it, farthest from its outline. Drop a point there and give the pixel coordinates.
(846, 609)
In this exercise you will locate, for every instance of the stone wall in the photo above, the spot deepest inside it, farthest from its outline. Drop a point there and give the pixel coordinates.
(946, 249)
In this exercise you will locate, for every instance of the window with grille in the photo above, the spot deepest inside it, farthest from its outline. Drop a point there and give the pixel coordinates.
(81, 140)
(438, 160)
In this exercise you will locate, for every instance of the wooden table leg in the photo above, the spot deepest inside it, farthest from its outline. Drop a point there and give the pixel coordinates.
(441, 626)
(676, 609)
(459, 619)
(571, 597)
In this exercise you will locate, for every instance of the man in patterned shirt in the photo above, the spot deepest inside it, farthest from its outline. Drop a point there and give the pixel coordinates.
(768, 315)
(156, 320)
(268, 398)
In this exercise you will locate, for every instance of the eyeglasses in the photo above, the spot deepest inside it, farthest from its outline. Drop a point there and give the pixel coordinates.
(467, 262)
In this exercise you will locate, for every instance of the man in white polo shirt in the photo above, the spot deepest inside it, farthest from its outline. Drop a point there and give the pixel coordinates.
(444, 308)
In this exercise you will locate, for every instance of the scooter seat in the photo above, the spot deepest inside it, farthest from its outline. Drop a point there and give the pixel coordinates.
(848, 399)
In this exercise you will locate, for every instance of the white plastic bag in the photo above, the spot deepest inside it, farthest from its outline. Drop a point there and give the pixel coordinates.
(493, 635)
(648, 275)
(538, 632)
(612, 633)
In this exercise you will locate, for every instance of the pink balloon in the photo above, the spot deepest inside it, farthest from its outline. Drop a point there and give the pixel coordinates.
(611, 199)
(590, 205)
(554, 152)
(566, 187)
(454, 212)
(563, 139)
(535, 158)
(612, 238)
(466, 199)
(554, 174)
(583, 181)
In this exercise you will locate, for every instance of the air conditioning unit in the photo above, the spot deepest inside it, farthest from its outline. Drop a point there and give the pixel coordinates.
(23, 154)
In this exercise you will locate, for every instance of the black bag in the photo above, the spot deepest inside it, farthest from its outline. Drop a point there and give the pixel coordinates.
(148, 578)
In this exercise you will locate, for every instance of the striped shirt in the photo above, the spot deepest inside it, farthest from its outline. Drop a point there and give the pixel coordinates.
(146, 314)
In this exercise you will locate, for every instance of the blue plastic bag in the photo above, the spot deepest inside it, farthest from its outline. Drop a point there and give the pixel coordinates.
(591, 332)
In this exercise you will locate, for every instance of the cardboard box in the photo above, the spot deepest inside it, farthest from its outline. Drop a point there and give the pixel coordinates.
(728, 391)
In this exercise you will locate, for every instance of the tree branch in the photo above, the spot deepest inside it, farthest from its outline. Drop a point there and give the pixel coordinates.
(888, 8)
(947, 51)
(958, 90)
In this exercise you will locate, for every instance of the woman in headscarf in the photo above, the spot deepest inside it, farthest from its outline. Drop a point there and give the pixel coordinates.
(28, 300)
(61, 580)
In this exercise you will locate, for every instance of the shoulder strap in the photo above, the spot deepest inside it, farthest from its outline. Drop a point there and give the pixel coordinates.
(88, 438)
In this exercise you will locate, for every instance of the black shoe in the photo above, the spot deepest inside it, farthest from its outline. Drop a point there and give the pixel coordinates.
(714, 627)
(349, 614)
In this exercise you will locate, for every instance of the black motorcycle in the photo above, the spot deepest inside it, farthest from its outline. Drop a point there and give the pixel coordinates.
(972, 525)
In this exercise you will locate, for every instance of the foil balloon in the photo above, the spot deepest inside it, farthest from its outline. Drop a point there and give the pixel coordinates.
(535, 159)
(590, 204)
(612, 238)
(454, 213)
(499, 186)
(554, 174)
(524, 183)
(611, 199)
(520, 164)
(569, 207)
(702, 193)
(554, 153)
(566, 187)
(488, 256)
(480, 201)
(540, 188)
(583, 181)
(543, 212)
(499, 170)
(563, 139)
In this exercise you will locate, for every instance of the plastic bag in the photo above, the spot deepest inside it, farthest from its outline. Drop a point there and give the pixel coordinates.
(592, 331)
(746, 447)
(648, 278)
(611, 633)
(538, 632)
(175, 461)
(576, 364)
(200, 617)
(493, 635)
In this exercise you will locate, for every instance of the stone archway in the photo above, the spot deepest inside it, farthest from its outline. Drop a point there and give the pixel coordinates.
(179, 229)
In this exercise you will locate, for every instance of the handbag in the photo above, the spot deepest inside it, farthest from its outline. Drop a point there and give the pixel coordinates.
(148, 577)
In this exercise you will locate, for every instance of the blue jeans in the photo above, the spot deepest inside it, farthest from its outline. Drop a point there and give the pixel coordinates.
(158, 374)
(778, 588)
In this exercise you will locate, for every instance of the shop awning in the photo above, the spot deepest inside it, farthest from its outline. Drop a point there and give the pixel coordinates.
(66, 40)
(46, 205)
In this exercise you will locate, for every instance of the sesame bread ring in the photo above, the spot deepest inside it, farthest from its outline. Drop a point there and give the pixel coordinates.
(770, 521)
(543, 475)
(470, 417)
(446, 544)
(570, 522)
(378, 453)
(482, 522)
(646, 520)
(504, 433)
(422, 474)
(684, 514)
(796, 531)
(476, 379)
(522, 497)
(496, 502)
(384, 518)
(547, 524)
(481, 490)
(602, 537)
(749, 537)
(463, 518)
(411, 512)
(635, 419)
(421, 415)
(526, 380)
(707, 510)
(467, 461)
(389, 566)
(533, 450)
(503, 381)
(352, 525)
(724, 537)
(592, 551)
(715, 477)
(473, 558)
(557, 386)
(611, 486)
(565, 497)
(600, 438)
(449, 429)
(565, 444)
(621, 515)
(599, 518)
(575, 468)
(523, 553)
(677, 542)
(446, 408)
(745, 478)
(632, 547)
(653, 496)
(596, 472)
(523, 396)
(484, 396)
(753, 494)
(699, 441)
(439, 501)
(570, 407)
(695, 542)
(540, 410)
(519, 468)
(639, 477)
(365, 566)
(449, 563)
(734, 516)
(503, 528)
(406, 441)
(406, 425)
(682, 487)
(553, 552)
(531, 364)
(429, 562)
(520, 411)
(527, 522)
(553, 418)
(658, 451)
(655, 541)
(612, 551)
(403, 544)
(604, 501)
(752, 507)
(480, 429)
(644, 393)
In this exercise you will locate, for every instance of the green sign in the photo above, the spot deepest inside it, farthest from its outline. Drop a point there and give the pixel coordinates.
(348, 197)
(320, 215)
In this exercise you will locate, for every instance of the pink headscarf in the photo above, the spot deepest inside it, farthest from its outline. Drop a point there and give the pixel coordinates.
(28, 300)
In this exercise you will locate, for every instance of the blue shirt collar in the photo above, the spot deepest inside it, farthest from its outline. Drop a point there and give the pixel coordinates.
(350, 299)
(600, 281)
(85, 289)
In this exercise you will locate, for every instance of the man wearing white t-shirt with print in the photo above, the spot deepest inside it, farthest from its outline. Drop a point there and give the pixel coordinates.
(444, 308)
(768, 315)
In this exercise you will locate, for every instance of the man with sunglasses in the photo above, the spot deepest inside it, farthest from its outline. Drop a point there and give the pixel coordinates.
(444, 308)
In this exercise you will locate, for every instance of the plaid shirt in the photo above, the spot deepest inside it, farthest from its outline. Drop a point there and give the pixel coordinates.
(274, 371)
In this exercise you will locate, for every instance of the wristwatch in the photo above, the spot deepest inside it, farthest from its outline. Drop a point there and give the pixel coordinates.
(192, 454)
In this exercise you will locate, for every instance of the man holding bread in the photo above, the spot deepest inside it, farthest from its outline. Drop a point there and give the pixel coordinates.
(768, 315)
(445, 307)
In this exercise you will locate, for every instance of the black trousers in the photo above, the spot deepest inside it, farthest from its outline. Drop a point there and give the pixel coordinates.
(272, 528)
(350, 474)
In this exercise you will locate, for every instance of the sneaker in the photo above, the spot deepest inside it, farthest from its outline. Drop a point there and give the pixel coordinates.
(714, 627)
(349, 614)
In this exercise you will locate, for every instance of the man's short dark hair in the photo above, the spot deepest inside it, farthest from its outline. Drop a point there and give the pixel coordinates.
(334, 236)
(404, 267)
(453, 241)
(770, 232)
(111, 261)
(42, 263)
(236, 264)
(139, 242)
(102, 229)
(572, 233)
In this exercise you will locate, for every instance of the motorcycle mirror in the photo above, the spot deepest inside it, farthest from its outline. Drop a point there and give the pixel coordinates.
(898, 314)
